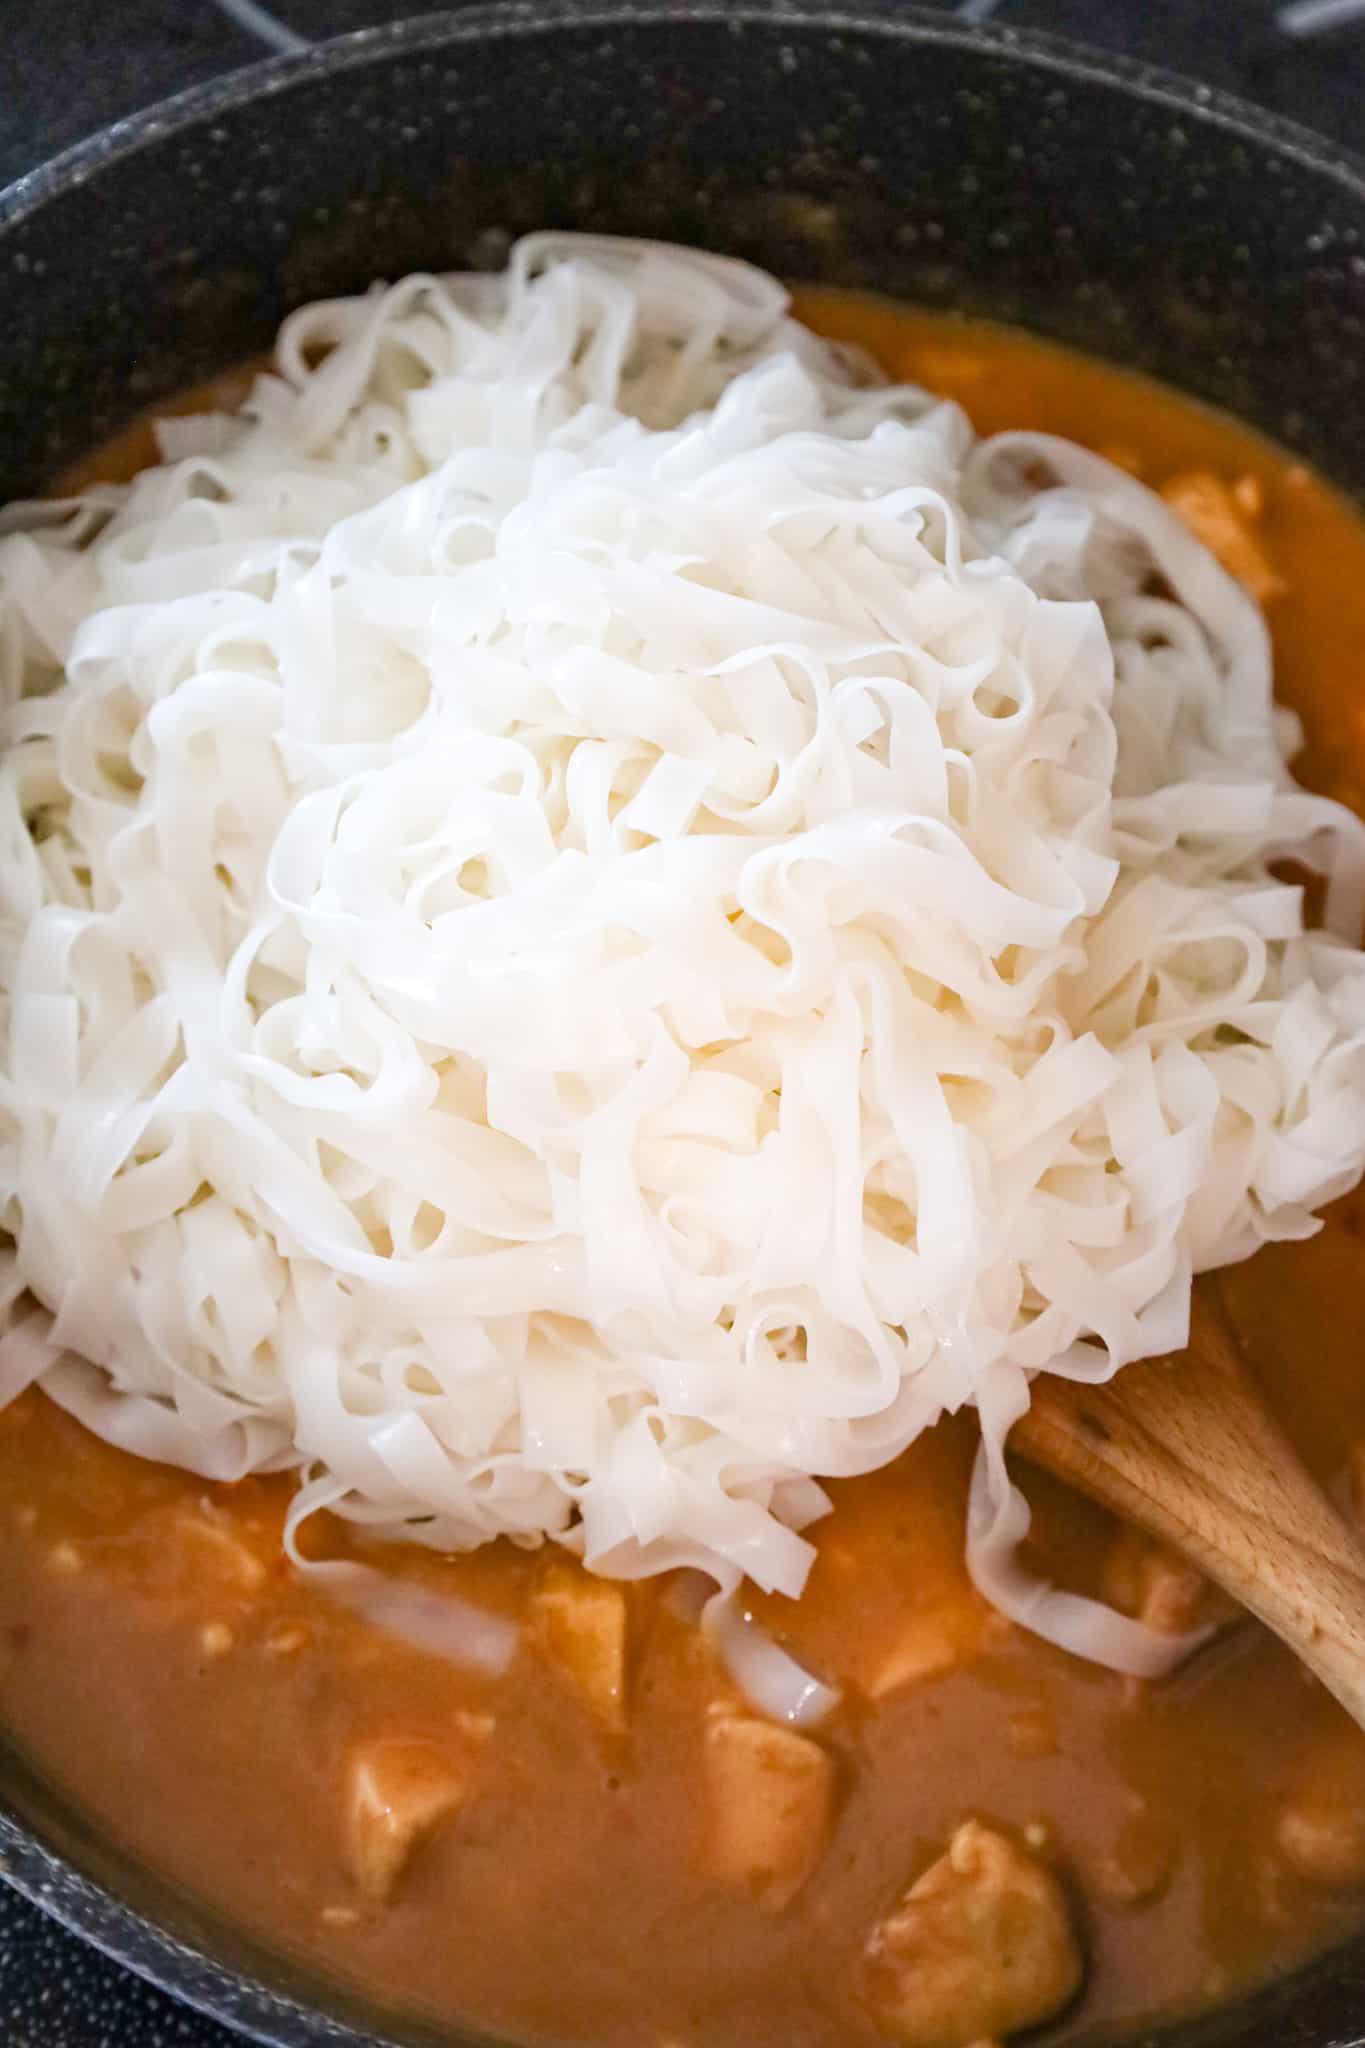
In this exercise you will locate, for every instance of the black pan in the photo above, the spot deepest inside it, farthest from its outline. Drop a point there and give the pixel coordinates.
(1154, 222)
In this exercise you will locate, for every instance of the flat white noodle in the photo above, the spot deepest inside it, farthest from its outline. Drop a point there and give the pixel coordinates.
(602, 917)
(770, 1677)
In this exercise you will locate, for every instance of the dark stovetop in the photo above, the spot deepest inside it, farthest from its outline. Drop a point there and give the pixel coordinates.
(66, 70)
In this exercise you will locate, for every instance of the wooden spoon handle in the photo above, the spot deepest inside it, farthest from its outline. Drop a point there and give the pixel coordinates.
(1185, 1447)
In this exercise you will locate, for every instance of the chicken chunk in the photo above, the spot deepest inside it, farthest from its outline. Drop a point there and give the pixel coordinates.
(397, 1795)
(1323, 1843)
(1138, 1865)
(933, 1639)
(212, 1547)
(769, 1806)
(1144, 1579)
(1222, 519)
(581, 1622)
(192, 1553)
(981, 1946)
(1320, 1832)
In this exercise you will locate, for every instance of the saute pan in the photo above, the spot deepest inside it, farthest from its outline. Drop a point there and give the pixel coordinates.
(1153, 222)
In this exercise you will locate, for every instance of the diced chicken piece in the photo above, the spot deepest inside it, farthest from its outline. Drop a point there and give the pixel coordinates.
(925, 1650)
(582, 1623)
(1320, 1832)
(935, 1638)
(397, 1795)
(1218, 516)
(1137, 1869)
(769, 1806)
(1157, 1586)
(1248, 494)
(1274, 1891)
(981, 1946)
(474, 1728)
(286, 1640)
(1032, 1732)
(204, 1550)
(1323, 1843)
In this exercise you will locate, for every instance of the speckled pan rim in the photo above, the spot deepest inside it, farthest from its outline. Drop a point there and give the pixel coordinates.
(50, 1881)
(240, 2002)
(897, 21)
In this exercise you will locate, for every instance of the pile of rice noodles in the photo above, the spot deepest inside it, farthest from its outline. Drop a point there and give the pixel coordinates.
(605, 916)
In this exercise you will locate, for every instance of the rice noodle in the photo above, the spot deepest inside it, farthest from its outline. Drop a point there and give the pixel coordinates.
(602, 917)
(769, 1676)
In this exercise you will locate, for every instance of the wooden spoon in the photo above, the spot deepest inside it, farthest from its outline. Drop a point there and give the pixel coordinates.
(1185, 1447)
